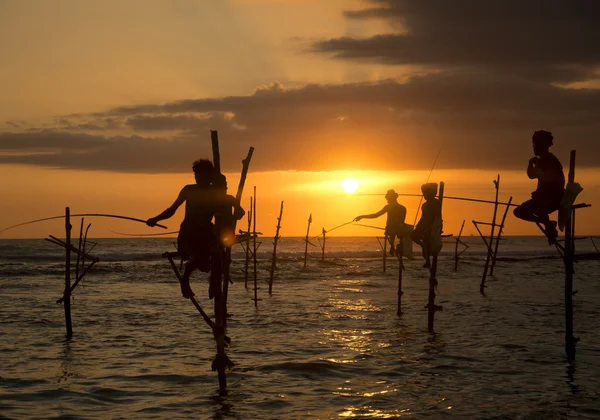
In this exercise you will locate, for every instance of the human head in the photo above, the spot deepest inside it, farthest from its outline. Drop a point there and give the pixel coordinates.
(219, 182)
(542, 140)
(391, 196)
(203, 171)
(429, 190)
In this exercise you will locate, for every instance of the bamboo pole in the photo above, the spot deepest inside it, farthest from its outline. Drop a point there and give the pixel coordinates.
(501, 229)
(274, 258)
(399, 255)
(489, 246)
(254, 250)
(216, 272)
(456, 256)
(570, 340)
(79, 248)
(306, 240)
(238, 197)
(323, 245)
(248, 256)
(67, 293)
(431, 306)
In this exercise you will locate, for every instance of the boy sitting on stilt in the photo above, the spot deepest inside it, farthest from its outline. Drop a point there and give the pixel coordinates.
(431, 215)
(546, 199)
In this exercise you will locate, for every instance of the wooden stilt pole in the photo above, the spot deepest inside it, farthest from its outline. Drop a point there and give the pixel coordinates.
(248, 256)
(306, 240)
(489, 245)
(67, 293)
(79, 258)
(456, 256)
(570, 340)
(274, 258)
(431, 306)
(227, 252)
(399, 255)
(501, 229)
(254, 250)
(323, 245)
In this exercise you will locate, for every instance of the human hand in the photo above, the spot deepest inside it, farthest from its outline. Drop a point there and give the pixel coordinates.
(152, 221)
(358, 218)
(534, 161)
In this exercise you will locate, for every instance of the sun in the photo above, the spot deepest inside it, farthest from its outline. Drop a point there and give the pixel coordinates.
(350, 185)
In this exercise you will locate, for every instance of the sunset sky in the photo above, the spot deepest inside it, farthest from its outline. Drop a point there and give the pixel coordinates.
(104, 105)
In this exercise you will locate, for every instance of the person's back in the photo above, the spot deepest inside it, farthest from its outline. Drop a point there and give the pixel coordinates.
(550, 176)
(396, 216)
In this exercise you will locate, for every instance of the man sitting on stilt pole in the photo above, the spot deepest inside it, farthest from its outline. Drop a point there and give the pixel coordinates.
(431, 213)
(196, 237)
(547, 169)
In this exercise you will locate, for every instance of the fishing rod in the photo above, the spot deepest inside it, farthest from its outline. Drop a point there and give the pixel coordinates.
(337, 227)
(114, 216)
(145, 234)
(474, 200)
(428, 178)
(369, 226)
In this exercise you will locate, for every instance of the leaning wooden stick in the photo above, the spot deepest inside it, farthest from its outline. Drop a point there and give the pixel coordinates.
(490, 244)
(254, 249)
(400, 254)
(501, 229)
(306, 240)
(323, 245)
(456, 246)
(274, 257)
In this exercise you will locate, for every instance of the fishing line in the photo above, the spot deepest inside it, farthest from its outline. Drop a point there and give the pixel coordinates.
(114, 216)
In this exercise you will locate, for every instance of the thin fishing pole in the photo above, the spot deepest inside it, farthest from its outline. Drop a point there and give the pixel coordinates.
(114, 216)
(337, 227)
(428, 177)
(144, 234)
(369, 226)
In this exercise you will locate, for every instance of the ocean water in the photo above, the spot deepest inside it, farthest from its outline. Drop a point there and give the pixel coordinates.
(326, 344)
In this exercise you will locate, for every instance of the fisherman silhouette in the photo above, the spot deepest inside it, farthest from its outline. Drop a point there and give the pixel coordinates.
(196, 235)
(396, 215)
(425, 233)
(550, 188)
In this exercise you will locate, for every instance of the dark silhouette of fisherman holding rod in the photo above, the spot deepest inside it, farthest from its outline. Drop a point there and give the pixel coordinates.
(426, 232)
(396, 214)
(198, 240)
(547, 169)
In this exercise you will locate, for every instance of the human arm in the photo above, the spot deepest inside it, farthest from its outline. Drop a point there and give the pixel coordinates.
(532, 171)
(373, 215)
(170, 211)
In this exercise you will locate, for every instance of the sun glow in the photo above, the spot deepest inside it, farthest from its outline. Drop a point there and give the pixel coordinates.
(350, 185)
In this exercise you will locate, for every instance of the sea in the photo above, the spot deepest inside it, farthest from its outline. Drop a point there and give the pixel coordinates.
(326, 344)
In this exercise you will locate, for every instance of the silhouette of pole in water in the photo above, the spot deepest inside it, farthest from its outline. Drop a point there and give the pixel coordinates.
(431, 306)
(274, 258)
(500, 230)
(248, 256)
(489, 246)
(306, 240)
(456, 253)
(254, 250)
(399, 255)
(570, 340)
(323, 245)
(67, 293)
(227, 253)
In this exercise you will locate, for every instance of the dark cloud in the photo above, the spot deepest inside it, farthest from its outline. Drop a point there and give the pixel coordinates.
(553, 40)
(481, 122)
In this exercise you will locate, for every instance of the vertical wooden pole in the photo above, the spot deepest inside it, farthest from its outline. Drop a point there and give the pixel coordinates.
(456, 246)
(67, 293)
(79, 258)
(214, 139)
(247, 266)
(570, 340)
(431, 306)
(238, 197)
(400, 254)
(384, 253)
(323, 246)
(274, 258)
(306, 240)
(501, 229)
(254, 250)
(489, 245)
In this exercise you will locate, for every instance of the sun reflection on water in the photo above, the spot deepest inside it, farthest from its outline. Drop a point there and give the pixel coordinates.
(369, 412)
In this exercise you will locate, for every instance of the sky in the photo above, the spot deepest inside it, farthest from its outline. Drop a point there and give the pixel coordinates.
(105, 105)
